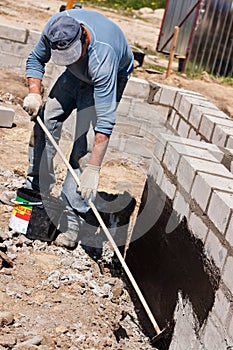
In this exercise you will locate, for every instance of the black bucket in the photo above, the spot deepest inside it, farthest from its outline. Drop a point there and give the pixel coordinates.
(36, 215)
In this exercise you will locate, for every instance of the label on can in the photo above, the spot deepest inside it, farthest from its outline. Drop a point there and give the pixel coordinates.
(20, 216)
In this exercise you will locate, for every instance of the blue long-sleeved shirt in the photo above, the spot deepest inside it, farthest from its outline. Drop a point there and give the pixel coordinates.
(108, 55)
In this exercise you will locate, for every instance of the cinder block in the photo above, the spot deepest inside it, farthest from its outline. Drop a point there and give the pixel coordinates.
(227, 273)
(214, 336)
(229, 234)
(180, 206)
(149, 111)
(186, 93)
(215, 249)
(171, 116)
(134, 145)
(224, 202)
(156, 170)
(229, 143)
(194, 135)
(12, 61)
(221, 134)
(183, 128)
(230, 329)
(138, 88)
(167, 187)
(159, 149)
(221, 306)
(213, 149)
(13, 33)
(168, 95)
(33, 37)
(6, 117)
(124, 106)
(197, 227)
(209, 122)
(204, 184)
(197, 112)
(189, 166)
(176, 121)
(174, 151)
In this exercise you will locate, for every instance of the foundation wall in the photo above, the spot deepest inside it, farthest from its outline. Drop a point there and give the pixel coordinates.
(185, 144)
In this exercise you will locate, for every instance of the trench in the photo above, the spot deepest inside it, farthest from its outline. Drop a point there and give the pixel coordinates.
(164, 264)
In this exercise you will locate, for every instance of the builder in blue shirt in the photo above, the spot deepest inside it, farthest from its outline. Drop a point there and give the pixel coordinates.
(98, 62)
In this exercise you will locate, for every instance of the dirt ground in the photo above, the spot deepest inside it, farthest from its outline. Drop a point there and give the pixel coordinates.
(53, 298)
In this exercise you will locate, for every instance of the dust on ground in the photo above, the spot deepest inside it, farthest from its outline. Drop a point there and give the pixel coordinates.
(53, 298)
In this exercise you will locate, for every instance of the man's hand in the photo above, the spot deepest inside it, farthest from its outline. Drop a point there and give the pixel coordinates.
(89, 181)
(32, 104)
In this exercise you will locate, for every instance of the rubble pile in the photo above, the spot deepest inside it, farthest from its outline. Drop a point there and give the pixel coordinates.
(53, 298)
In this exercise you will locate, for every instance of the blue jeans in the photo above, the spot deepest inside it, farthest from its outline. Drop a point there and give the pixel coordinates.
(67, 94)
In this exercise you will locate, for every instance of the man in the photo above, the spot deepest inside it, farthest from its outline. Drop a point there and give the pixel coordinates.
(98, 62)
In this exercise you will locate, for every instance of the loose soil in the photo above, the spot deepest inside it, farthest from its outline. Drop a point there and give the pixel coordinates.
(53, 298)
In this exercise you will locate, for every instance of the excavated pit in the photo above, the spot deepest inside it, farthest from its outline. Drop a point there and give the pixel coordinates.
(165, 264)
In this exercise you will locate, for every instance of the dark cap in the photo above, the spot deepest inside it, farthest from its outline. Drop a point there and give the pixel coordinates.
(64, 37)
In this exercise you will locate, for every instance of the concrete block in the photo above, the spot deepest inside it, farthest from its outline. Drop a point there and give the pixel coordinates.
(215, 250)
(197, 112)
(185, 106)
(183, 94)
(6, 117)
(124, 106)
(227, 273)
(197, 227)
(167, 187)
(229, 234)
(135, 145)
(156, 170)
(213, 149)
(209, 122)
(183, 128)
(171, 116)
(11, 61)
(150, 112)
(214, 336)
(204, 184)
(180, 206)
(187, 102)
(229, 143)
(230, 329)
(138, 88)
(33, 37)
(189, 166)
(221, 306)
(174, 151)
(194, 135)
(221, 134)
(168, 95)
(224, 202)
(176, 121)
(13, 33)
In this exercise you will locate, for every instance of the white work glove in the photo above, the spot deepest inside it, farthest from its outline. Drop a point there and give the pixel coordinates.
(89, 181)
(32, 104)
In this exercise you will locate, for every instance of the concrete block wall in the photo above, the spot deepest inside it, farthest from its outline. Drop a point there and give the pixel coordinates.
(191, 161)
(15, 46)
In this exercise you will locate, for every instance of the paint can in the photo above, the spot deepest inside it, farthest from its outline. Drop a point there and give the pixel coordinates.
(35, 215)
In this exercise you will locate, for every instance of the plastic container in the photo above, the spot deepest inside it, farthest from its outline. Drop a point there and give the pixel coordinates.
(36, 216)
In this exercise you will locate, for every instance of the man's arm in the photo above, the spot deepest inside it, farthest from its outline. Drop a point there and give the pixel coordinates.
(99, 149)
(34, 86)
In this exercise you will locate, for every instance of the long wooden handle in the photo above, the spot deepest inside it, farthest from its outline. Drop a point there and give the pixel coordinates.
(70, 4)
(106, 231)
(172, 51)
